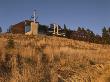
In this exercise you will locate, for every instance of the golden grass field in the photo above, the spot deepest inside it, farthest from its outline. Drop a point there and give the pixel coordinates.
(52, 59)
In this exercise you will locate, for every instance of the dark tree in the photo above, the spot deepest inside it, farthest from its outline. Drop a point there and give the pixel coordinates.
(43, 29)
(90, 35)
(98, 39)
(66, 31)
(69, 33)
(105, 36)
(79, 29)
(65, 28)
(0, 29)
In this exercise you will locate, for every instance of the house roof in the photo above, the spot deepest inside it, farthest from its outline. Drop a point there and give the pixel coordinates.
(25, 22)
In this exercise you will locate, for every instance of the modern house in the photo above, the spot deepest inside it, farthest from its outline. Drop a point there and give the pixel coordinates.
(32, 27)
(25, 27)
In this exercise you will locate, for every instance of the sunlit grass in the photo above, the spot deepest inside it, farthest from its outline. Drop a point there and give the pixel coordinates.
(43, 58)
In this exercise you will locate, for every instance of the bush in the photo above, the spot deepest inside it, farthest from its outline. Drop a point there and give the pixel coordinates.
(82, 65)
(10, 43)
(92, 62)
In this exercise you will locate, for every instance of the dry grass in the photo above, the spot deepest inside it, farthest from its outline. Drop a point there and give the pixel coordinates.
(51, 59)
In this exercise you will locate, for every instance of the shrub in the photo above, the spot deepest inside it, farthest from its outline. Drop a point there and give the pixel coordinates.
(92, 62)
(10, 43)
(82, 65)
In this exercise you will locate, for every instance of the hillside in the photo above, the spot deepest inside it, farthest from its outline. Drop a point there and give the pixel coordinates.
(52, 59)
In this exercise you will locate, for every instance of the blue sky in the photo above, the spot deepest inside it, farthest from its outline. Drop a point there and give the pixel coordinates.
(93, 14)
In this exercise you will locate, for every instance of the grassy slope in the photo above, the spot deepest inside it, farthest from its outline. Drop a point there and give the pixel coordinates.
(49, 59)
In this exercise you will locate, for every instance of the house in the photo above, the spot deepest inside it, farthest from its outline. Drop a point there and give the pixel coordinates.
(31, 27)
(27, 27)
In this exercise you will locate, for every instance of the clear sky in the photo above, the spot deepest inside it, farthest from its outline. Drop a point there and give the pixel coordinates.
(93, 14)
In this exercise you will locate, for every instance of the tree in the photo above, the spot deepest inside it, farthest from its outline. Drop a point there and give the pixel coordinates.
(65, 28)
(79, 29)
(82, 34)
(98, 39)
(105, 36)
(43, 29)
(90, 35)
(0, 29)
(109, 31)
(67, 31)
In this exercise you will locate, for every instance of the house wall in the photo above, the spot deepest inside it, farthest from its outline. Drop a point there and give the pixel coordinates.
(34, 29)
(18, 28)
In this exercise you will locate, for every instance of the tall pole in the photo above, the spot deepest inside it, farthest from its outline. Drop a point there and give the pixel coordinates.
(57, 29)
(34, 16)
(54, 28)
